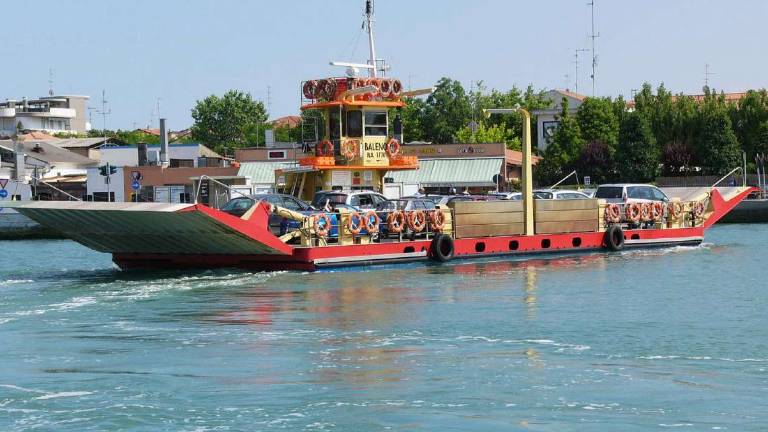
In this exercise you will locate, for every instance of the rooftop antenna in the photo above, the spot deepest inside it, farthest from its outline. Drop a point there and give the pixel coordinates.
(104, 112)
(369, 22)
(158, 107)
(576, 55)
(593, 36)
(50, 81)
(707, 74)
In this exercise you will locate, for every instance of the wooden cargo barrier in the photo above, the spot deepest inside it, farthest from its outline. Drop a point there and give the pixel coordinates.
(566, 216)
(488, 218)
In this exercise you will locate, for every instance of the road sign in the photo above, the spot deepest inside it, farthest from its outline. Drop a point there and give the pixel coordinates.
(3, 193)
(3, 183)
(587, 180)
(135, 185)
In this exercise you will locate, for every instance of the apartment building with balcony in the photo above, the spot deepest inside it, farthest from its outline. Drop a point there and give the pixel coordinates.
(50, 114)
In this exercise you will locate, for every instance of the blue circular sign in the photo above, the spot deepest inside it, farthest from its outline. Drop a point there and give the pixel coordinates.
(3, 193)
(135, 185)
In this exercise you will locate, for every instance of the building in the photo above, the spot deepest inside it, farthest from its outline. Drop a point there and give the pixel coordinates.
(51, 114)
(547, 119)
(180, 155)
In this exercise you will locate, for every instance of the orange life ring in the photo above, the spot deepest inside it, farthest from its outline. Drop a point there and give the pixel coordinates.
(360, 82)
(657, 211)
(376, 82)
(417, 221)
(355, 223)
(324, 148)
(698, 209)
(322, 229)
(329, 88)
(613, 213)
(633, 212)
(396, 221)
(392, 148)
(675, 209)
(350, 148)
(310, 89)
(372, 221)
(645, 212)
(437, 220)
(386, 87)
(397, 87)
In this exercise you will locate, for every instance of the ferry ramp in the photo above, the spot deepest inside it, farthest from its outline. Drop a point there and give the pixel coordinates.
(152, 228)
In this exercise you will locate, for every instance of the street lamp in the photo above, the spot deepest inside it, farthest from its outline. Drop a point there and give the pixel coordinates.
(527, 180)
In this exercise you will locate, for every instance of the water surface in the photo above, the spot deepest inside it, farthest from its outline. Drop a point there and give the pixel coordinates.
(642, 340)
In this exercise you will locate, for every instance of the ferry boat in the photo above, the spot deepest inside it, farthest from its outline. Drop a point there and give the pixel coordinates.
(357, 149)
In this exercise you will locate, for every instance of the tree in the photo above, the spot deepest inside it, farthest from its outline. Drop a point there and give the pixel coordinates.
(447, 110)
(412, 116)
(597, 121)
(488, 134)
(596, 161)
(637, 157)
(718, 150)
(748, 117)
(224, 123)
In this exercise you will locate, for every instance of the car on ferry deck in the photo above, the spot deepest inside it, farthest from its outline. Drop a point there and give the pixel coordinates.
(630, 193)
(278, 225)
(406, 204)
(558, 194)
(360, 200)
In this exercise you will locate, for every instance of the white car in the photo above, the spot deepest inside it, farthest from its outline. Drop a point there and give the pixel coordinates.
(558, 194)
(629, 193)
(361, 200)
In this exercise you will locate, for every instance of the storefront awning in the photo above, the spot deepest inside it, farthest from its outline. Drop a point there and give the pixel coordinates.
(262, 172)
(464, 172)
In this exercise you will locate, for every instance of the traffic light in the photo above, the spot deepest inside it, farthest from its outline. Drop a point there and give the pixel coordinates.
(103, 170)
(106, 170)
(112, 169)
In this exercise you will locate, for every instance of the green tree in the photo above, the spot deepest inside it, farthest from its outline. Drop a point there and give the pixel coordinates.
(597, 121)
(637, 157)
(718, 148)
(488, 134)
(412, 116)
(226, 122)
(447, 110)
(748, 117)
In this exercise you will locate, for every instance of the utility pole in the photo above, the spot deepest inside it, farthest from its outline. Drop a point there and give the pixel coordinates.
(593, 36)
(576, 55)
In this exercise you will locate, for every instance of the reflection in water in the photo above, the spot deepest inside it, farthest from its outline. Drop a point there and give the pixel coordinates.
(530, 292)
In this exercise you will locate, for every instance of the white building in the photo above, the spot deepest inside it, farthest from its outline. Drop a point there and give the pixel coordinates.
(547, 122)
(179, 155)
(50, 114)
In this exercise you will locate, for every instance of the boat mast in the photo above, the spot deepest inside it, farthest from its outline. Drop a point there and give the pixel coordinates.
(369, 22)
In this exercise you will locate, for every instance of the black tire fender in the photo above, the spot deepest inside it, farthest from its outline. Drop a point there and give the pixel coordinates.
(441, 249)
(614, 238)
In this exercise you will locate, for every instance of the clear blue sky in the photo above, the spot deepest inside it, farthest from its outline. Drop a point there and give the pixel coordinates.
(181, 51)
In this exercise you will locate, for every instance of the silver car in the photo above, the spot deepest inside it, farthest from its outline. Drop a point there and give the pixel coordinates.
(630, 193)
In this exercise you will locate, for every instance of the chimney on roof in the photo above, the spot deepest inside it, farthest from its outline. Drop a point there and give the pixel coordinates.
(163, 144)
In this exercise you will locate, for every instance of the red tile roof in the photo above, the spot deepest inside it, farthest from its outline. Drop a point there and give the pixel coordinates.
(515, 157)
(287, 121)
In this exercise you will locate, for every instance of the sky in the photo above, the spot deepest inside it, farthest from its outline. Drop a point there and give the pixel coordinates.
(171, 53)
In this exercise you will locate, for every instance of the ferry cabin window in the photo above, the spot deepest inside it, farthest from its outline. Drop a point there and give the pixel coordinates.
(354, 126)
(334, 129)
(376, 123)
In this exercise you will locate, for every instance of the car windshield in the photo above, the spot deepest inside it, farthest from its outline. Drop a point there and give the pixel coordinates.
(609, 192)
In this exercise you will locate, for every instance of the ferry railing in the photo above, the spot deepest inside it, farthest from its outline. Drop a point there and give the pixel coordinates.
(224, 185)
(744, 177)
(37, 180)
